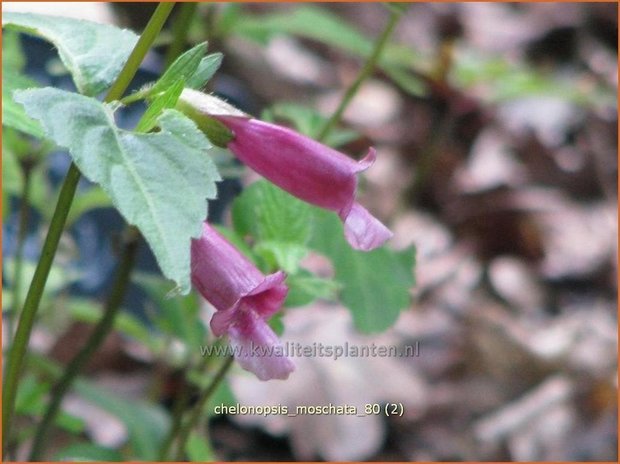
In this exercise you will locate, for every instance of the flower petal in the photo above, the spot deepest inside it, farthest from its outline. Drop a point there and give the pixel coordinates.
(220, 272)
(267, 297)
(300, 165)
(362, 230)
(310, 171)
(367, 160)
(264, 300)
(257, 348)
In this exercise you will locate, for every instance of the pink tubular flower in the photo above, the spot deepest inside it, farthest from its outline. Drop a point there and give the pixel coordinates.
(244, 298)
(310, 171)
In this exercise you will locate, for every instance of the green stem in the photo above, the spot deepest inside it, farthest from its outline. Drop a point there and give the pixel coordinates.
(67, 192)
(147, 38)
(197, 411)
(180, 29)
(100, 332)
(364, 73)
(182, 400)
(24, 209)
(427, 156)
(33, 298)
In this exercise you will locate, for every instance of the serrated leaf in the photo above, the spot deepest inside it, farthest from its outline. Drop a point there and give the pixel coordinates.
(207, 67)
(181, 69)
(93, 53)
(159, 182)
(270, 214)
(376, 284)
(163, 101)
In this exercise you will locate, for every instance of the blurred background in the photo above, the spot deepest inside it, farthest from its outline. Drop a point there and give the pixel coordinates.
(496, 132)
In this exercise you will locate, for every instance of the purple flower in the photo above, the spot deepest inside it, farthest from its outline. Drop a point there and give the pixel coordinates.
(244, 298)
(310, 171)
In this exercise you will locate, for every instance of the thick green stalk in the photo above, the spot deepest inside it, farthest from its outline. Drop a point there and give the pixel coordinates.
(197, 411)
(57, 223)
(100, 332)
(180, 29)
(365, 72)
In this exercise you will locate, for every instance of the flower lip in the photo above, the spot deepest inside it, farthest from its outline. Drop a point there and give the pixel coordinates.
(258, 349)
(265, 299)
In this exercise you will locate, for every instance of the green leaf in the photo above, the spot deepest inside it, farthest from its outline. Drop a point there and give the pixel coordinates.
(229, 14)
(31, 401)
(13, 57)
(198, 448)
(318, 24)
(88, 452)
(70, 423)
(30, 395)
(85, 310)
(159, 182)
(281, 255)
(179, 316)
(376, 284)
(406, 80)
(276, 323)
(181, 69)
(41, 191)
(504, 81)
(163, 101)
(12, 176)
(206, 69)
(233, 237)
(93, 53)
(147, 424)
(304, 288)
(59, 277)
(307, 21)
(268, 213)
(13, 114)
(223, 395)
